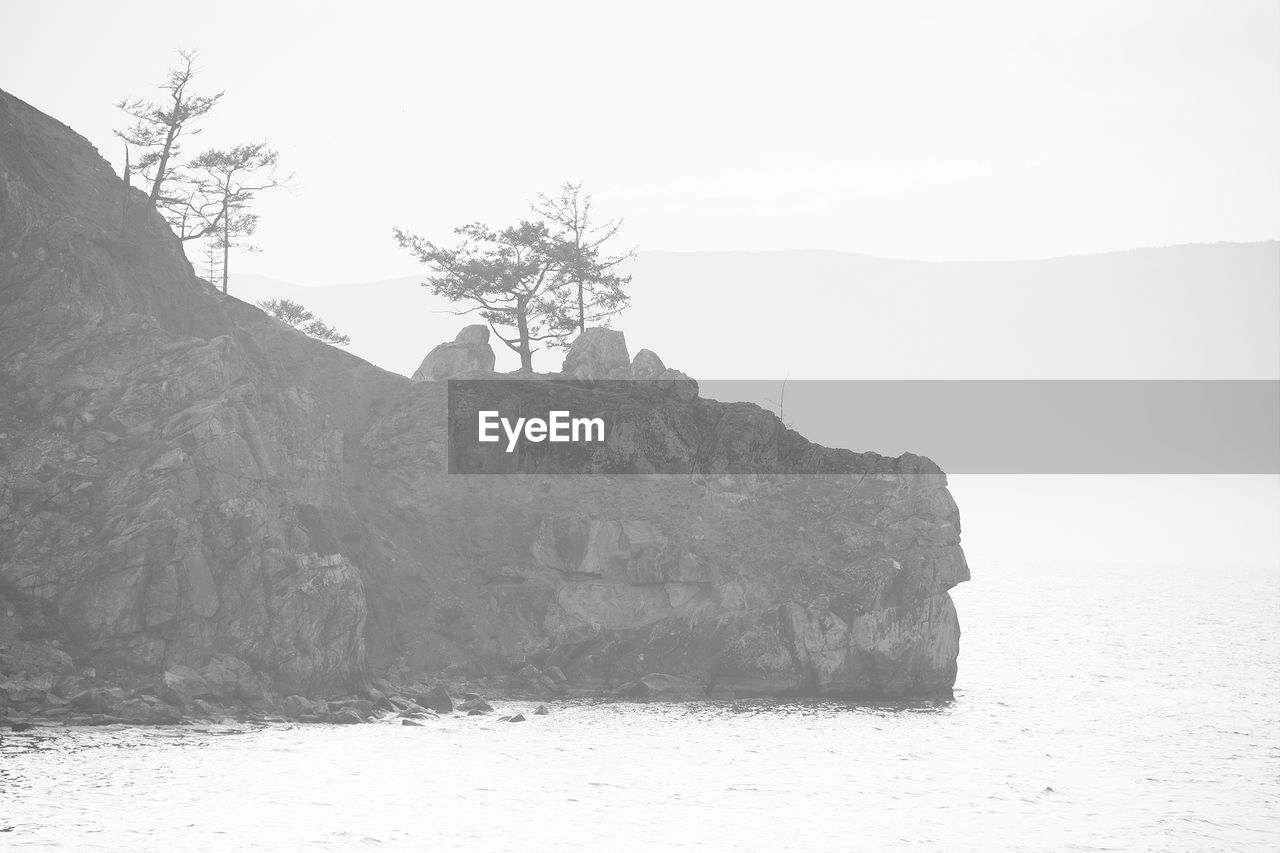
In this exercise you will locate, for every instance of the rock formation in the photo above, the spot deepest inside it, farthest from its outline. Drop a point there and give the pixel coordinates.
(596, 354)
(192, 493)
(467, 354)
(602, 354)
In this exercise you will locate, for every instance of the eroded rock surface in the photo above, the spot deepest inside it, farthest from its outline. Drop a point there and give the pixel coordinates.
(466, 355)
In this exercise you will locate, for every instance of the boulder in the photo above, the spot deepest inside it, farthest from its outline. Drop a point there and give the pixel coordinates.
(346, 717)
(100, 700)
(181, 685)
(596, 353)
(647, 365)
(437, 699)
(468, 353)
(476, 704)
(515, 718)
(380, 700)
(678, 384)
(225, 675)
(541, 711)
(202, 708)
(410, 723)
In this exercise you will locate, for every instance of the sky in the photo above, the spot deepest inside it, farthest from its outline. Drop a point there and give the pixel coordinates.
(931, 131)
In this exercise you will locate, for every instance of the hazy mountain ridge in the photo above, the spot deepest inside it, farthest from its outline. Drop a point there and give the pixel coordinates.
(1061, 318)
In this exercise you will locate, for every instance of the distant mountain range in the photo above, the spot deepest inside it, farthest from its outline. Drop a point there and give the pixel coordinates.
(1188, 311)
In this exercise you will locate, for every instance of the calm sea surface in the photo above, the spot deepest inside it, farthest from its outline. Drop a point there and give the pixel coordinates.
(1097, 709)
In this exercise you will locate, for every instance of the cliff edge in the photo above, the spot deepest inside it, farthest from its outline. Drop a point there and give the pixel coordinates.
(186, 482)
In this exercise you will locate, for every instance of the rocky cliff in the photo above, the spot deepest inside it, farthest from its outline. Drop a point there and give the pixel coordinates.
(185, 481)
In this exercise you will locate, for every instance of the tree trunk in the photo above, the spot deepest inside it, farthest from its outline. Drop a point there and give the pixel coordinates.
(163, 165)
(582, 311)
(226, 251)
(522, 323)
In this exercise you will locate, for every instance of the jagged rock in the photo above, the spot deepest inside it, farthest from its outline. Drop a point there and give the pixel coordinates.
(514, 718)
(347, 716)
(466, 354)
(678, 384)
(595, 353)
(100, 700)
(182, 684)
(379, 700)
(541, 711)
(476, 704)
(437, 699)
(410, 723)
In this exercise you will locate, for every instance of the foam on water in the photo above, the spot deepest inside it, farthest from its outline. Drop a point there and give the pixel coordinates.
(1097, 709)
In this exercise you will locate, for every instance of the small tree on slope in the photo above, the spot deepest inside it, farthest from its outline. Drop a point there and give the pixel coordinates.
(302, 319)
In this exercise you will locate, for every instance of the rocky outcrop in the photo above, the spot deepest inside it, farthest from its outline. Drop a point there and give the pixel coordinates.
(162, 475)
(191, 493)
(600, 353)
(466, 355)
(596, 353)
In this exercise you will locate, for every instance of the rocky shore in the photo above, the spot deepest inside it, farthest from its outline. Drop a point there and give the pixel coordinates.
(41, 686)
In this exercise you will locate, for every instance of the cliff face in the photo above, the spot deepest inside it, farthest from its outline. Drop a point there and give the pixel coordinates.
(183, 477)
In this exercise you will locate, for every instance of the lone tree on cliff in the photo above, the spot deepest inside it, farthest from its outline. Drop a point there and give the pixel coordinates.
(584, 267)
(303, 320)
(507, 276)
(158, 128)
(207, 197)
(216, 190)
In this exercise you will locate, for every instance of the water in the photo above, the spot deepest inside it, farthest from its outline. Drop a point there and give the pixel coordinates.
(1097, 709)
